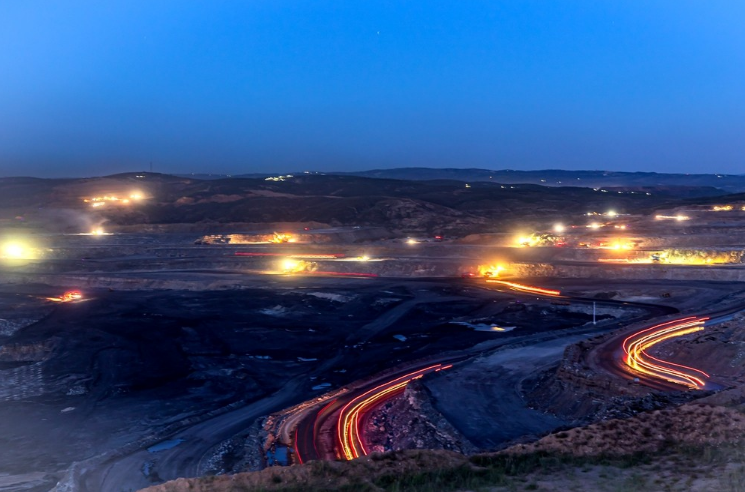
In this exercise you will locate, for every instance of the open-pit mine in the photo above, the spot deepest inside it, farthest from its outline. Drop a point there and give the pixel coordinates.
(156, 327)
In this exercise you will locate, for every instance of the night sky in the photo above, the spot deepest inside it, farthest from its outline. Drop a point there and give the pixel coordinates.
(97, 87)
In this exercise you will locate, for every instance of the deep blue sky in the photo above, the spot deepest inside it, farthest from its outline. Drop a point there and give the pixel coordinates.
(95, 87)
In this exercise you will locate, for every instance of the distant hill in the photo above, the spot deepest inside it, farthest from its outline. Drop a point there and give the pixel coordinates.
(407, 206)
(730, 183)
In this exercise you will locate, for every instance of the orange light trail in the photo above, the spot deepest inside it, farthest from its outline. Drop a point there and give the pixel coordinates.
(635, 346)
(526, 288)
(348, 425)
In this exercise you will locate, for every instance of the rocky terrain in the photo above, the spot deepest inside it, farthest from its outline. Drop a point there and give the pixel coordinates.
(658, 443)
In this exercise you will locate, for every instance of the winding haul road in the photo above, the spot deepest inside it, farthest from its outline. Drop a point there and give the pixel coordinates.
(334, 431)
(346, 412)
(625, 355)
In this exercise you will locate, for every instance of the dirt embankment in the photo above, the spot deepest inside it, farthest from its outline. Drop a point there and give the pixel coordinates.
(691, 424)
(410, 422)
(646, 443)
(581, 394)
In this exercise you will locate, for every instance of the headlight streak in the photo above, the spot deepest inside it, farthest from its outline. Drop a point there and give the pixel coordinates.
(635, 347)
(348, 425)
(526, 288)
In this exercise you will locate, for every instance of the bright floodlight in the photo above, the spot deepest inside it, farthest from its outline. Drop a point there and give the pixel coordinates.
(14, 250)
(559, 228)
(611, 213)
(411, 241)
(289, 265)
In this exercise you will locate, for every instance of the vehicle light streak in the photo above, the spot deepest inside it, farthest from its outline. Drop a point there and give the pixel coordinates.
(301, 256)
(297, 452)
(526, 288)
(348, 425)
(636, 345)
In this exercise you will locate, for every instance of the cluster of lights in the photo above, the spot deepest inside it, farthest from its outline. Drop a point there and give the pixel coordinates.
(637, 358)
(726, 208)
(280, 238)
(100, 201)
(490, 271)
(279, 178)
(526, 241)
(621, 245)
(289, 265)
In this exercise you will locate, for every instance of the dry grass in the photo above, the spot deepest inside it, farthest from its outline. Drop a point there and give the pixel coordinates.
(694, 447)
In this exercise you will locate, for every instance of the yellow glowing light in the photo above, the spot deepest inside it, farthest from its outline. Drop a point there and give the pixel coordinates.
(559, 228)
(681, 217)
(490, 271)
(524, 241)
(136, 196)
(618, 245)
(611, 213)
(14, 250)
(290, 265)
(364, 258)
(594, 225)
(97, 232)
(282, 238)
(722, 208)
(411, 241)
(97, 204)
